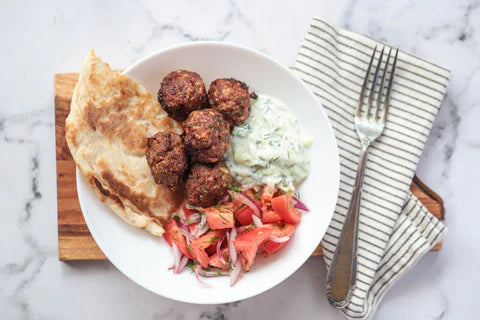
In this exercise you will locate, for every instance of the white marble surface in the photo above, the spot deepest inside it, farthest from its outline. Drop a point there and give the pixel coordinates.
(40, 39)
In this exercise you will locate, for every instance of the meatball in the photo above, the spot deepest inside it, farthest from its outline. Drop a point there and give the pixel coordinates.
(207, 135)
(167, 158)
(231, 98)
(207, 184)
(181, 92)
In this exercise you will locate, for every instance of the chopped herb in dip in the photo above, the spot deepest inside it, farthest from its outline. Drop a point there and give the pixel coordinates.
(270, 147)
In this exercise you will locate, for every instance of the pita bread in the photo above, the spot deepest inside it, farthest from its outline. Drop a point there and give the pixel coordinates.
(110, 118)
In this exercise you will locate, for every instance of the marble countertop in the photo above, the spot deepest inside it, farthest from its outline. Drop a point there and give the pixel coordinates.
(42, 38)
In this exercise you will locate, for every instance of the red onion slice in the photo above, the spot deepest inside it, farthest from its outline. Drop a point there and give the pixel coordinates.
(257, 221)
(239, 196)
(235, 273)
(183, 263)
(219, 252)
(202, 231)
(177, 255)
(186, 232)
(231, 248)
(213, 273)
(299, 204)
(194, 218)
(279, 239)
(197, 275)
(188, 237)
(202, 227)
(251, 200)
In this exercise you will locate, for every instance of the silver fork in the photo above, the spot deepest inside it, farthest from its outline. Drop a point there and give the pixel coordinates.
(342, 276)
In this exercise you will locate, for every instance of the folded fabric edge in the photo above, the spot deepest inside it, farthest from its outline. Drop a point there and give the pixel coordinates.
(357, 34)
(404, 251)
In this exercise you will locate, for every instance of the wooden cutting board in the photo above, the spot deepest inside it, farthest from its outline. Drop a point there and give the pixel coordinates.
(74, 239)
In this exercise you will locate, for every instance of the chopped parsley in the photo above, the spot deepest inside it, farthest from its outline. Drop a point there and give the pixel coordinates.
(212, 239)
(234, 188)
(290, 204)
(191, 265)
(225, 219)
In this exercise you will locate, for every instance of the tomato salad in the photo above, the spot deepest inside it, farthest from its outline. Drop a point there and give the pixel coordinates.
(223, 240)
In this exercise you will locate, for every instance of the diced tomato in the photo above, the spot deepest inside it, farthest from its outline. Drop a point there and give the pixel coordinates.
(256, 235)
(220, 216)
(247, 244)
(209, 239)
(240, 205)
(215, 261)
(197, 247)
(278, 230)
(242, 229)
(188, 212)
(253, 196)
(172, 233)
(283, 205)
(192, 227)
(211, 250)
(266, 197)
(199, 255)
(244, 215)
(270, 216)
(248, 251)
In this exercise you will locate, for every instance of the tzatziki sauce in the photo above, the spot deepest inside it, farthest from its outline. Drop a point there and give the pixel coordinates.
(270, 148)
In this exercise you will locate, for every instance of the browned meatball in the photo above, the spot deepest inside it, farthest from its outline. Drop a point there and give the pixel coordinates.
(207, 135)
(231, 98)
(167, 158)
(207, 184)
(182, 92)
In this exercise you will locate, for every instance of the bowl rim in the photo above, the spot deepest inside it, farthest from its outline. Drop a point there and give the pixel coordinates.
(146, 60)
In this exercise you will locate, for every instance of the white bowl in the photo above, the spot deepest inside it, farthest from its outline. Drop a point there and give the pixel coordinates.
(145, 259)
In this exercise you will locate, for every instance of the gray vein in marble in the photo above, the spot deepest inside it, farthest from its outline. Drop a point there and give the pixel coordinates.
(440, 316)
(221, 312)
(444, 309)
(29, 269)
(466, 31)
(18, 268)
(159, 29)
(15, 140)
(450, 146)
(36, 195)
(32, 265)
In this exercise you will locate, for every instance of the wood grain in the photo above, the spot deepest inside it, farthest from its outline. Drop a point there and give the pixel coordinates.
(74, 239)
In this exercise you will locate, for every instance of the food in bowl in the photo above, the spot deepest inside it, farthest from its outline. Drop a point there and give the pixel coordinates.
(271, 148)
(207, 135)
(224, 239)
(226, 222)
(182, 92)
(255, 218)
(231, 98)
(207, 184)
(167, 158)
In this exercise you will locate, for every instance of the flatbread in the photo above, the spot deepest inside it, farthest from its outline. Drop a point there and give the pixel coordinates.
(110, 118)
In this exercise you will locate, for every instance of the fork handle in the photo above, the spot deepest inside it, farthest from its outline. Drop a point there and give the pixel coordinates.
(342, 276)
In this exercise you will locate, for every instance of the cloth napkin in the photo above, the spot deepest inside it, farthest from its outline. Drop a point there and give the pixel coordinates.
(395, 229)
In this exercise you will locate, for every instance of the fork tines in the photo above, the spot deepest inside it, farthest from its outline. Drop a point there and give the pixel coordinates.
(374, 114)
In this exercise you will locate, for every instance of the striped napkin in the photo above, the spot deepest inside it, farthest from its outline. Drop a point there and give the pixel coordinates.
(395, 229)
